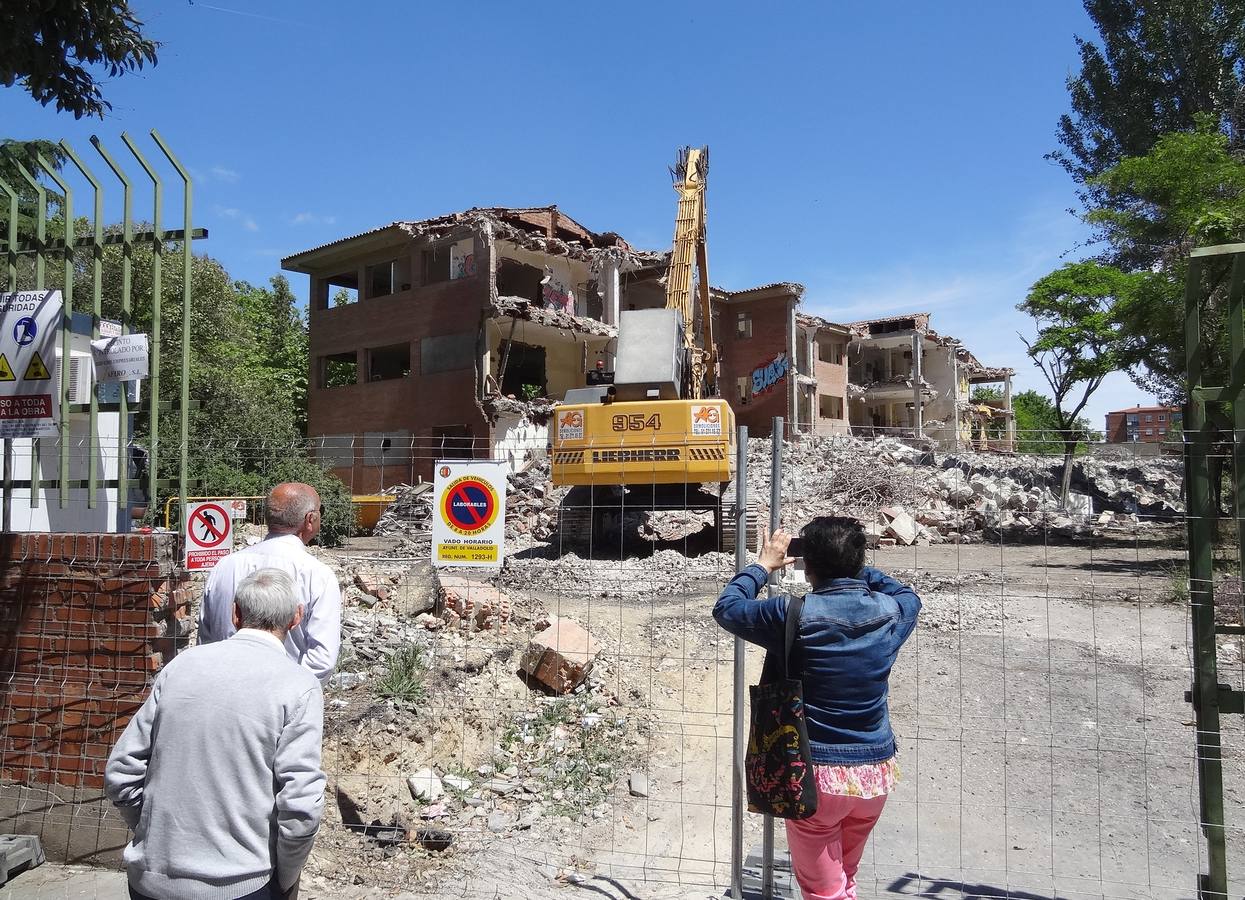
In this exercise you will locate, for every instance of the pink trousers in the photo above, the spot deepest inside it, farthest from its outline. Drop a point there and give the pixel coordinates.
(826, 849)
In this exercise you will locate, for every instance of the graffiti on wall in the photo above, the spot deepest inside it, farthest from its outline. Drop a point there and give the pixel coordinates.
(555, 294)
(767, 375)
(462, 259)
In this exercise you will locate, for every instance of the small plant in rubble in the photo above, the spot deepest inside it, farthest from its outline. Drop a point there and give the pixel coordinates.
(405, 679)
(579, 750)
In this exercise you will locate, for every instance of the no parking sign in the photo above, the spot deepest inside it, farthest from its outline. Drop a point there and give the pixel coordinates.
(469, 526)
(209, 534)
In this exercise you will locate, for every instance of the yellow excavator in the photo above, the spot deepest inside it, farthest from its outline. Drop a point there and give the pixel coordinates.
(654, 434)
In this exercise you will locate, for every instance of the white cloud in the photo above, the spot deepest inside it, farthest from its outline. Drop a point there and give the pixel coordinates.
(310, 218)
(225, 174)
(974, 298)
(243, 218)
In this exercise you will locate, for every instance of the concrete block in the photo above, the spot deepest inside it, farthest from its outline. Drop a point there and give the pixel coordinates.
(561, 656)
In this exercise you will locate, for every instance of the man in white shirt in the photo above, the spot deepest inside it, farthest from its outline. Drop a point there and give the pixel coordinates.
(293, 514)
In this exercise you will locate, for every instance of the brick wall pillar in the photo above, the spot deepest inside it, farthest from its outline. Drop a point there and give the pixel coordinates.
(86, 620)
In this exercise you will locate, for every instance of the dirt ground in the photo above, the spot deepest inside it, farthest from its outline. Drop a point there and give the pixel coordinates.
(1046, 747)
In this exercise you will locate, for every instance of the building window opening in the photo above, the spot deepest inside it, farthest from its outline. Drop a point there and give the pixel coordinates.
(339, 369)
(743, 325)
(453, 442)
(384, 363)
(340, 290)
(389, 277)
(525, 377)
(743, 385)
(436, 264)
(830, 352)
(516, 279)
(830, 407)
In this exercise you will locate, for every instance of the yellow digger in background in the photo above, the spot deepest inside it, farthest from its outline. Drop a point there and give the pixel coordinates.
(655, 435)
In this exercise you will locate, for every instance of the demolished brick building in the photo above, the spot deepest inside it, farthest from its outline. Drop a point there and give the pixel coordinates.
(455, 336)
(896, 389)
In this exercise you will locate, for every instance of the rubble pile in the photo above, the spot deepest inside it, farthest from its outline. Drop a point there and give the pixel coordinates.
(915, 495)
(664, 573)
(410, 513)
(532, 502)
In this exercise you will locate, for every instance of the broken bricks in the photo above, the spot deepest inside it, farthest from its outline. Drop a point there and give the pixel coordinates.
(473, 605)
(561, 656)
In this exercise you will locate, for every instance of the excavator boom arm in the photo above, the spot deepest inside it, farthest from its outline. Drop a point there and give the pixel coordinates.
(690, 254)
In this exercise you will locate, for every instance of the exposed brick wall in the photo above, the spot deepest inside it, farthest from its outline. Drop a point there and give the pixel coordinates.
(771, 335)
(85, 622)
(418, 403)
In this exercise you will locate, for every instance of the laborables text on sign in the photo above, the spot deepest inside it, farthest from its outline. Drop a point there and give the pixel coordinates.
(469, 522)
(30, 327)
(209, 534)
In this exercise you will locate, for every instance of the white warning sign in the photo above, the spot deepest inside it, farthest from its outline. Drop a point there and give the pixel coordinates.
(209, 534)
(469, 527)
(30, 326)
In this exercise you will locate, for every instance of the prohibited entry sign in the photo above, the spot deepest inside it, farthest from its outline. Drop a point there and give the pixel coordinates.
(469, 528)
(209, 534)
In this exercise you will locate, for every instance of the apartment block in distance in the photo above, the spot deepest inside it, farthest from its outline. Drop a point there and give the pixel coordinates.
(1141, 424)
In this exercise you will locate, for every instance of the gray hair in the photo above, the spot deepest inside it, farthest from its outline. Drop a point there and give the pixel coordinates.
(291, 512)
(266, 600)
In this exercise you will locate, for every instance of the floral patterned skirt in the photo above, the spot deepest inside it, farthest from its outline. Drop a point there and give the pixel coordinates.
(865, 781)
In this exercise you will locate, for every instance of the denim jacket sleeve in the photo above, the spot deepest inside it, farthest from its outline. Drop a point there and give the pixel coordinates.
(740, 612)
(909, 602)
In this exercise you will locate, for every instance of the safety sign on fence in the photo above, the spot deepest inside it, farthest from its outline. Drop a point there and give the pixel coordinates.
(469, 525)
(209, 534)
(120, 358)
(30, 325)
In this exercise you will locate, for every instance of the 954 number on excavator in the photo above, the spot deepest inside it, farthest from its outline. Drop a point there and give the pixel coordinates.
(630, 443)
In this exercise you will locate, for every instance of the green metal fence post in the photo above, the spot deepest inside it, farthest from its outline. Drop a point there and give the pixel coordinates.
(62, 489)
(157, 251)
(97, 274)
(127, 260)
(187, 264)
(41, 232)
(6, 515)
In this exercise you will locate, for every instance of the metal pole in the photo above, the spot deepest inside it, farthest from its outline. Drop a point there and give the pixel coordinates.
(41, 231)
(157, 296)
(6, 517)
(775, 516)
(97, 262)
(1205, 693)
(62, 489)
(127, 259)
(187, 269)
(738, 721)
(917, 413)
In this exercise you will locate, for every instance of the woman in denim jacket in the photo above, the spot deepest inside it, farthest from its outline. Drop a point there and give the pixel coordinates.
(851, 628)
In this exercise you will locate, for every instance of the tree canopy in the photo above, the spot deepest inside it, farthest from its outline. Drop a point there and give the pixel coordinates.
(1156, 66)
(1154, 139)
(58, 50)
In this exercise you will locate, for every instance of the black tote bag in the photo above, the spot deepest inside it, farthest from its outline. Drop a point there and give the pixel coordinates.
(779, 764)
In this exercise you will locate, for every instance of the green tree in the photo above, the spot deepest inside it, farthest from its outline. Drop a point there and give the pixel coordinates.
(1157, 65)
(51, 48)
(26, 154)
(1076, 345)
(1037, 425)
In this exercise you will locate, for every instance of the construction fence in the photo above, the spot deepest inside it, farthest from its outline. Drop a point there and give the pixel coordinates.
(1047, 746)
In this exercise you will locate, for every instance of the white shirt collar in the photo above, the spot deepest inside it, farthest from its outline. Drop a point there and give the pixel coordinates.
(262, 635)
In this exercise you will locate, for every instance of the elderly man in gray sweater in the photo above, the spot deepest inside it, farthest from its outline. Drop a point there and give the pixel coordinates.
(218, 774)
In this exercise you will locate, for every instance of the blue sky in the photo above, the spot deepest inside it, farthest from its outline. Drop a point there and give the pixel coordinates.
(888, 156)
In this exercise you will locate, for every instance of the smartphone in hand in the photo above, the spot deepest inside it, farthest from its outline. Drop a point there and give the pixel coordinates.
(796, 547)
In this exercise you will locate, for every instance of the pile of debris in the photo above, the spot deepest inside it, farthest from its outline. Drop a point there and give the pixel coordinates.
(532, 503)
(410, 513)
(916, 495)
